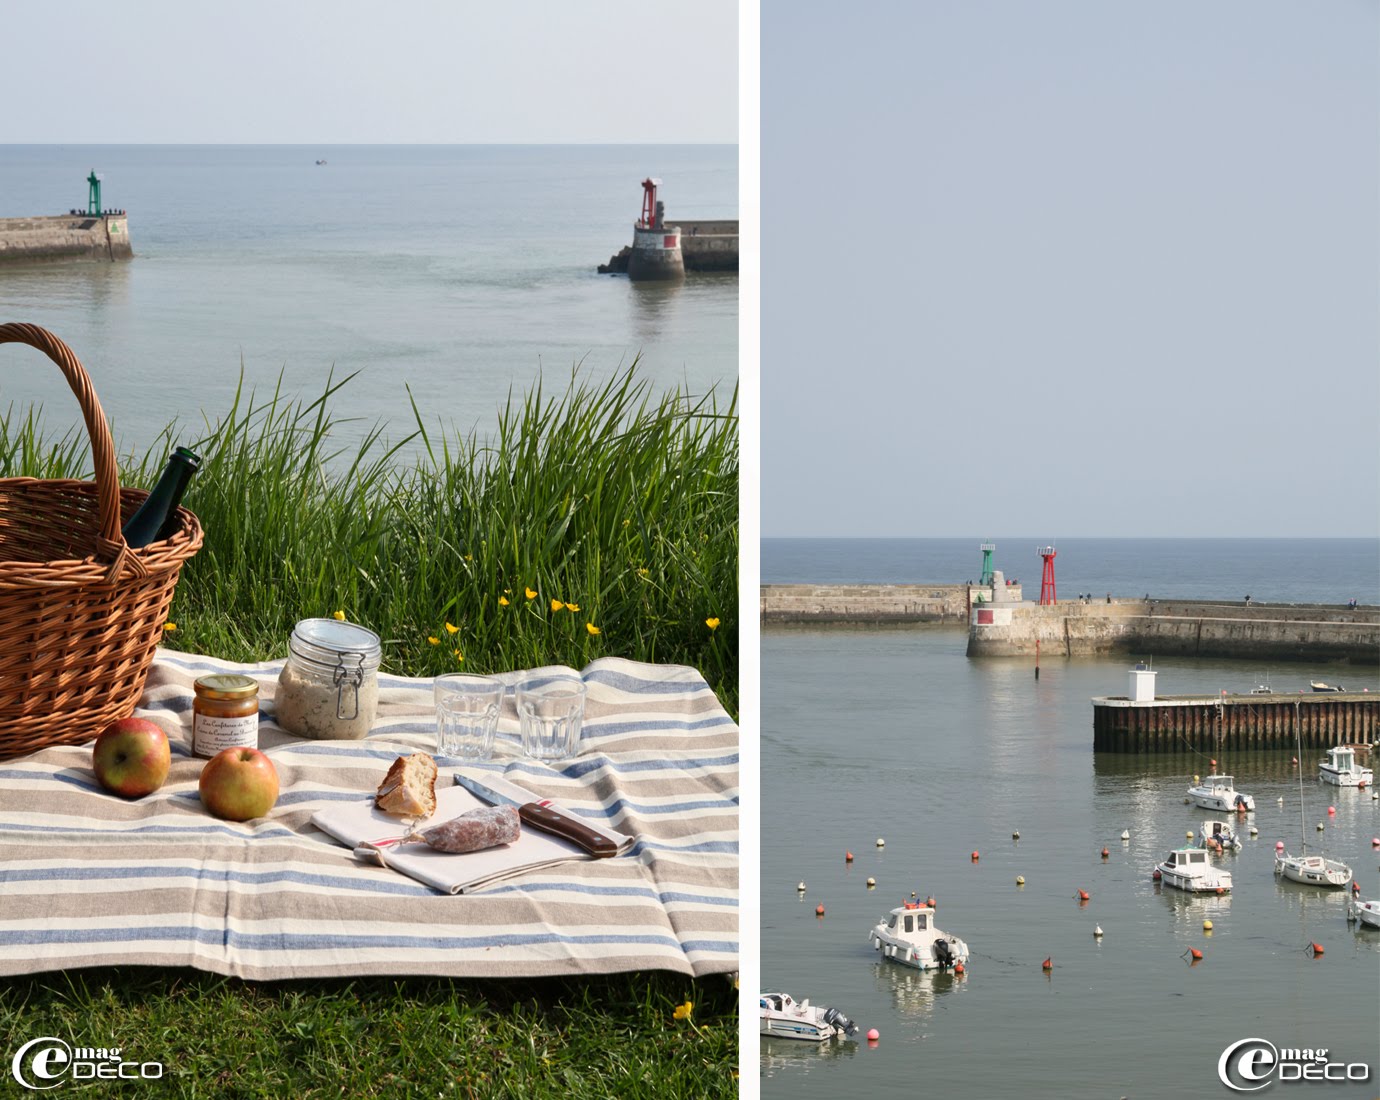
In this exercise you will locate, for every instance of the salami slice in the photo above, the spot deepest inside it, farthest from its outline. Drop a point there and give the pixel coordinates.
(486, 827)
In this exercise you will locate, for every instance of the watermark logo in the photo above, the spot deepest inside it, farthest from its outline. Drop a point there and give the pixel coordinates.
(1250, 1065)
(47, 1062)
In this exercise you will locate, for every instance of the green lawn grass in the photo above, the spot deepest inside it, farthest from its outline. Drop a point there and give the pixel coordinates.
(599, 521)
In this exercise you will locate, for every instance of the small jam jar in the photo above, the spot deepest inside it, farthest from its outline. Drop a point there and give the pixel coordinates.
(329, 687)
(225, 714)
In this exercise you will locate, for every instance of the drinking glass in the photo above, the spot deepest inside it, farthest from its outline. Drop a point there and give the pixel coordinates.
(467, 715)
(550, 713)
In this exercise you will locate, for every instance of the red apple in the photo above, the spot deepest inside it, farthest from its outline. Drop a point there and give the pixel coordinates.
(131, 757)
(238, 784)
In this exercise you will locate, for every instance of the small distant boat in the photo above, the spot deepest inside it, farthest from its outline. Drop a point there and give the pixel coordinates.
(1189, 869)
(320, 162)
(1340, 769)
(1318, 685)
(1218, 792)
(908, 936)
(1212, 833)
(1366, 912)
(1262, 689)
(785, 1019)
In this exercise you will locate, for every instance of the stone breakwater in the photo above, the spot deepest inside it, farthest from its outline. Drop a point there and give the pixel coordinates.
(1009, 627)
(1265, 632)
(705, 245)
(101, 237)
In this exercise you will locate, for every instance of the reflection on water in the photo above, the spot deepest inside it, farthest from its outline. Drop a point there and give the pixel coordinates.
(799, 1056)
(914, 993)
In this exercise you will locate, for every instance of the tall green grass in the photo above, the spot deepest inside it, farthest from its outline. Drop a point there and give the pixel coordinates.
(616, 508)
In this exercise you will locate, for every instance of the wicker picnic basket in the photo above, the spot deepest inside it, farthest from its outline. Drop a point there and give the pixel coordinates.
(80, 612)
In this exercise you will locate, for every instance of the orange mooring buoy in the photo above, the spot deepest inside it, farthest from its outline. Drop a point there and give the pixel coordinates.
(1316, 948)
(975, 857)
(1105, 853)
(1082, 895)
(1195, 953)
(1155, 874)
(848, 857)
(1048, 964)
(958, 968)
(819, 910)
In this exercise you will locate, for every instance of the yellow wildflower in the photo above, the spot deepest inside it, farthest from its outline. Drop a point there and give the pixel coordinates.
(643, 572)
(433, 640)
(531, 593)
(572, 607)
(592, 628)
(556, 605)
(626, 522)
(458, 654)
(469, 557)
(713, 624)
(168, 628)
(452, 629)
(502, 601)
(338, 616)
(682, 1012)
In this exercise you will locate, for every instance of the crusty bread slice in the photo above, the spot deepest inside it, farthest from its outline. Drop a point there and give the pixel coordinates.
(409, 788)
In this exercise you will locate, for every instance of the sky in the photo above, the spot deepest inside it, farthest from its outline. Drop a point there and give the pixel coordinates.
(352, 72)
(1075, 268)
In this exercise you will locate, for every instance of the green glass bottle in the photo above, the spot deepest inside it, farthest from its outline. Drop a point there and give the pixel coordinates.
(156, 518)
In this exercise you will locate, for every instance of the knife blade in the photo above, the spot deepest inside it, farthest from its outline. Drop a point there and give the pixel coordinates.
(540, 814)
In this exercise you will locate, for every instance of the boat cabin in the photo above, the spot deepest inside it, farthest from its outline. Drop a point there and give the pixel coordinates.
(910, 918)
(1341, 759)
(1184, 857)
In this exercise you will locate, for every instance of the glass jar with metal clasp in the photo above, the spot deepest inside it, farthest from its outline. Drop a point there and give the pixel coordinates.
(329, 687)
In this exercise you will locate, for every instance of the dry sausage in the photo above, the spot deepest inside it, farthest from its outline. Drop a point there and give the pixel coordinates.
(486, 827)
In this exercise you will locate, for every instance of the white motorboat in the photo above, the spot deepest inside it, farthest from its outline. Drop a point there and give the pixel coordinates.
(1190, 869)
(1218, 792)
(1340, 768)
(1364, 912)
(784, 1018)
(908, 936)
(1213, 833)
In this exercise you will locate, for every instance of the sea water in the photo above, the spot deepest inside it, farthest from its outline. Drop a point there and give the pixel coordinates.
(893, 733)
(440, 275)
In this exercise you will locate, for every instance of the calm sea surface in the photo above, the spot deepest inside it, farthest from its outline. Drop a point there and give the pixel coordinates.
(894, 733)
(455, 272)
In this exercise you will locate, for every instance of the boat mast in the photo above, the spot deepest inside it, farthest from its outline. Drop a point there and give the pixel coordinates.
(1298, 749)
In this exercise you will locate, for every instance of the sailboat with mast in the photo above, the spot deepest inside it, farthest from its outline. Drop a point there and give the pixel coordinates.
(1311, 870)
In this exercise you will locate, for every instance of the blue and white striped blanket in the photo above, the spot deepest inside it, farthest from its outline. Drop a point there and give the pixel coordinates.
(89, 879)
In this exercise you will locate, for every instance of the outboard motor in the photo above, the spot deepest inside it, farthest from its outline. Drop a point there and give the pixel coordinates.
(944, 952)
(839, 1020)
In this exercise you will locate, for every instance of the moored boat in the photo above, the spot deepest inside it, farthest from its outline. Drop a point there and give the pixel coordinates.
(1364, 912)
(1312, 870)
(1340, 768)
(1190, 869)
(908, 936)
(1213, 833)
(1318, 685)
(1218, 792)
(785, 1018)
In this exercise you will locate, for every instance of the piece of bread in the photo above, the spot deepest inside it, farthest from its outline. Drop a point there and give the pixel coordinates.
(409, 788)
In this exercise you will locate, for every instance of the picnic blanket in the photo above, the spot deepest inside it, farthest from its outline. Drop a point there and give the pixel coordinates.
(90, 879)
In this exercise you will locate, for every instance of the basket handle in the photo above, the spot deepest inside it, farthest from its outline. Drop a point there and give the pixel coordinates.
(110, 543)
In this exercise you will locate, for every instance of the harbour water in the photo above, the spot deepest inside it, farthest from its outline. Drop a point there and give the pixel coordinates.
(893, 733)
(444, 274)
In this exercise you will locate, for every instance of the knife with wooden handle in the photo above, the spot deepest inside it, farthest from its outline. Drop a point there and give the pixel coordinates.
(540, 814)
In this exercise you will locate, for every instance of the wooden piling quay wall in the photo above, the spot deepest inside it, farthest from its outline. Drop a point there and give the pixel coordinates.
(1235, 723)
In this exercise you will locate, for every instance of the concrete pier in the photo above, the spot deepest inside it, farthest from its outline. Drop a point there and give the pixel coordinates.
(705, 245)
(1214, 724)
(100, 237)
(1317, 634)
(877, 603)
